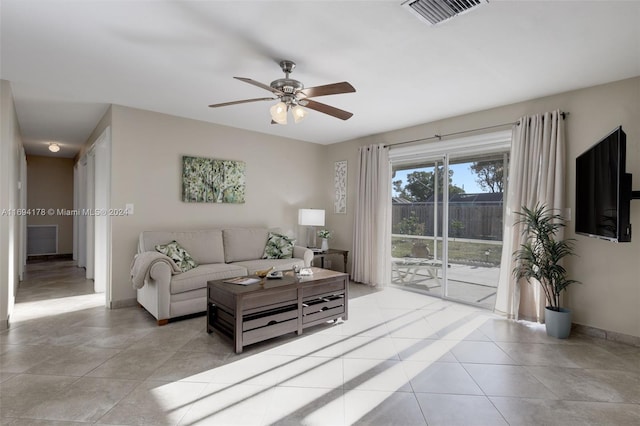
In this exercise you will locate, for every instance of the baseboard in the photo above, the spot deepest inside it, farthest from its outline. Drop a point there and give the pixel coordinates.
(4, 324)
(48, 257)
(124, 303)
(613, 336)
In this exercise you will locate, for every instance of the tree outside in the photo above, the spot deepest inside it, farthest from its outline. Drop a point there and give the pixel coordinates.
(490, 174)
(420, 185)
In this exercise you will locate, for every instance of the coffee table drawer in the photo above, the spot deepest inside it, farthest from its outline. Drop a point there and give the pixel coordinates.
(323, 316)
(271, 298)
(322, 304)
(264, 333)
(270, 317)
(314, 290)
(318, 309)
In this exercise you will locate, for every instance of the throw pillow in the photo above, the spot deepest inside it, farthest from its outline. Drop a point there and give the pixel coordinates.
(278, 247)
(178, 254)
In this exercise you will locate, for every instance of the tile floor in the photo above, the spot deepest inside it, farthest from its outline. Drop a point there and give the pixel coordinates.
(401, 359)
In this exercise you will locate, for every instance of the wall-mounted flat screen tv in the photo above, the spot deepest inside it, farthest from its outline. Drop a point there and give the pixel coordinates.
(603, 190)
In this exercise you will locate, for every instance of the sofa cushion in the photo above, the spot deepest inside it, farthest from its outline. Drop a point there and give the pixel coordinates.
(178, 254)
(244, 243)
(198, 277)
(278, 247)
(205, 246)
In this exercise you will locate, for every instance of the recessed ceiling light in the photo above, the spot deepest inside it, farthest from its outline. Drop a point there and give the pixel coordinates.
(54, 147)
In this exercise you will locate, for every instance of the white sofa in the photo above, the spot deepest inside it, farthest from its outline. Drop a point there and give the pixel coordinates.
(220, 254)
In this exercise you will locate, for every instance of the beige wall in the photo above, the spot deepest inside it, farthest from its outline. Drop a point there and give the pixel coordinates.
(282, 175)
(50, 186)
(104, 122)
(11, 226)
(609, 296)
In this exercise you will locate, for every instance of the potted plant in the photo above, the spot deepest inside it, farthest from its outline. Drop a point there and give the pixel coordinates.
(539, 259)
(325, 234)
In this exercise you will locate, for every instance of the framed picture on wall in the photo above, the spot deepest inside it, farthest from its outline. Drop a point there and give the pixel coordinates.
(207, 180)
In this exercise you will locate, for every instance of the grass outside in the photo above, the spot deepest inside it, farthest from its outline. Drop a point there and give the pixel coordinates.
(464, 252)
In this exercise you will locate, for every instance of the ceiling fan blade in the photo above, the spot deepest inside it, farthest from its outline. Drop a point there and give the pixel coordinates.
(260, 85)
(328, 89)
(326, 109)
(241, 102)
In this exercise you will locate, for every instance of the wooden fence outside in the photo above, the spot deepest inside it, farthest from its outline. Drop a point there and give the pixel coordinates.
(480, 221)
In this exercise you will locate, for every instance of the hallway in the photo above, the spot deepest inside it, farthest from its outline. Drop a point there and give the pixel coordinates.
(51, 288)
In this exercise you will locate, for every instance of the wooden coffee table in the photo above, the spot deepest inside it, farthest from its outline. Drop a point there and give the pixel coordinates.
(273, 307)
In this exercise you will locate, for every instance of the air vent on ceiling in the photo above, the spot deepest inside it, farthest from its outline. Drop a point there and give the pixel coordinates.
(435, 11)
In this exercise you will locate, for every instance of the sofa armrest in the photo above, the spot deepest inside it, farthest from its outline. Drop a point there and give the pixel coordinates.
(303, 253)
(155, 295)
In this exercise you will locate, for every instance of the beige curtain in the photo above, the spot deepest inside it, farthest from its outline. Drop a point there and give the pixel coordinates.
(372, 228)
(536, 175)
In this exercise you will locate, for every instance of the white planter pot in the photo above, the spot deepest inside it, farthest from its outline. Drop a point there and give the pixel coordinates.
(325, 244)
(557, 323)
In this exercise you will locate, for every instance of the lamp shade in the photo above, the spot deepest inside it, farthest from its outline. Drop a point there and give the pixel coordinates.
(311, 217)
(298, 113)
(279, 113)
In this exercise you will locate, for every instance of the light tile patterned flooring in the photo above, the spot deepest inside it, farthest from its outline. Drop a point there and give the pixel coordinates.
(401, 359)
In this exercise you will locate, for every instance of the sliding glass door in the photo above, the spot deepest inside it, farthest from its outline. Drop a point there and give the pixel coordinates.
(447, 226)
(417, 224)
(475, 223)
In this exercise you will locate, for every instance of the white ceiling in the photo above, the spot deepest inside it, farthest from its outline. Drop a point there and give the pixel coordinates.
(68, 60)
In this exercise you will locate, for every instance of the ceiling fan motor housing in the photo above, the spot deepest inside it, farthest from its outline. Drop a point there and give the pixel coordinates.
(287, 85)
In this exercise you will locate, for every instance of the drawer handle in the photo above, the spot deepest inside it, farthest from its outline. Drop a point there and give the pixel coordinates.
(272, 322)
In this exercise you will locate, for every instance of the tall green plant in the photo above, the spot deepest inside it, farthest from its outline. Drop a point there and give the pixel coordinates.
(539, 258)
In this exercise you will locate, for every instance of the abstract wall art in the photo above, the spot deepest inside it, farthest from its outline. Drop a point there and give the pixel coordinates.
(340, 183)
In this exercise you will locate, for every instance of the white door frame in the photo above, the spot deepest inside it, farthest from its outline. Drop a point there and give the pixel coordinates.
(102, 219)
(81, 204)
(89, 218)
(76, 206)
(23, 220)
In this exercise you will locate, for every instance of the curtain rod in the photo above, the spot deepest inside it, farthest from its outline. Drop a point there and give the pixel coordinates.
(439, 137)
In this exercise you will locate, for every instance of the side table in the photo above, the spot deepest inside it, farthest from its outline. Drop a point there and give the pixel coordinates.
(322, 255)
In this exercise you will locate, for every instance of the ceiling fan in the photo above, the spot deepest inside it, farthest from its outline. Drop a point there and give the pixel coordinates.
(293, 96)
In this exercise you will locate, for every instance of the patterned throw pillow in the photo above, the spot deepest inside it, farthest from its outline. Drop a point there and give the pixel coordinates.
(178, 254)
(278, 247)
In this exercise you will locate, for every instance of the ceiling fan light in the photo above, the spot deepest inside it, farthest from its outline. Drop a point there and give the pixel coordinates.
(279, 113)
(54, 147)
(298, 113)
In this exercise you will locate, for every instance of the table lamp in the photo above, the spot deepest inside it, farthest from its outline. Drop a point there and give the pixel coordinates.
(311, 218)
